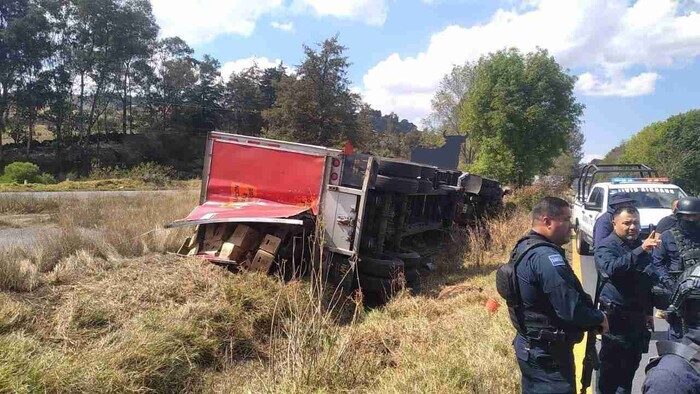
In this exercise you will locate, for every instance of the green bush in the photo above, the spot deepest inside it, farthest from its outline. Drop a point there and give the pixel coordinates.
(154, 173)
(526, 197)
(20, 171)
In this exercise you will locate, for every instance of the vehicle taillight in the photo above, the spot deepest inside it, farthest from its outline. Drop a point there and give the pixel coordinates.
(335, 171)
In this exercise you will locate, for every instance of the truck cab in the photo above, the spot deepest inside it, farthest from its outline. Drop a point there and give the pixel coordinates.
(653, 195)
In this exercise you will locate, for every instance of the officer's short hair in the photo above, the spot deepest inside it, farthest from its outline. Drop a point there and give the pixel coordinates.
(625, 208)
(549, 206)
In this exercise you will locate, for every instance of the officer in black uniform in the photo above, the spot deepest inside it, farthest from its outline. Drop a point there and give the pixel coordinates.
(626, 298)
(669, 221)
(680, 249)
(677, 369)
(603, 224)
(553, 309)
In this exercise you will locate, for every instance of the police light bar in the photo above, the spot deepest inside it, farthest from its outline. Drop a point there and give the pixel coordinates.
(639, 180)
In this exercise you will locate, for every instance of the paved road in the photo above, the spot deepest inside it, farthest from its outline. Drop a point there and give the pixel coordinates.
(589, 278)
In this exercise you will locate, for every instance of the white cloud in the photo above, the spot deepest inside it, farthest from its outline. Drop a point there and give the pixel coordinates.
(617, 85)
(605, 39)
(198, 21)
(202, 20)
(371, 12)
(243, 64)
(288, 26)
(590, 156)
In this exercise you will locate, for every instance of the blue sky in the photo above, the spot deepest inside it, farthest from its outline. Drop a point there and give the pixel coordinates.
(637, 61)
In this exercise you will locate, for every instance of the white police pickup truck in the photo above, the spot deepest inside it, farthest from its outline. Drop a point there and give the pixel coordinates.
(653, 196)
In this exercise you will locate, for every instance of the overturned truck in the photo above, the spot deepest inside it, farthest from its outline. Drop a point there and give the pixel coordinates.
(363, 221)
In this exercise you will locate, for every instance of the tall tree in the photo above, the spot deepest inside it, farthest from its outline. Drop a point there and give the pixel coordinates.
(446, 106)
(568, 163)
(523, 104)
(244, 102)
(136, 35)
(207, 94)
(316, 105)
(24, 44)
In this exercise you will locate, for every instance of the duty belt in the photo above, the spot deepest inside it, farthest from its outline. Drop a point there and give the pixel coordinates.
(615, 310)
(548, 338)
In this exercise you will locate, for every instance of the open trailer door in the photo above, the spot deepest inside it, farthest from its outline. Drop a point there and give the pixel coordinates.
(249, 179)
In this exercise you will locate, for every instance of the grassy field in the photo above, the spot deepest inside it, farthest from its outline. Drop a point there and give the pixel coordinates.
(99, 307)
(98, 185)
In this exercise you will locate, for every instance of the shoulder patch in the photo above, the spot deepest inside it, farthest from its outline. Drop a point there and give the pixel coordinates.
(556, 260)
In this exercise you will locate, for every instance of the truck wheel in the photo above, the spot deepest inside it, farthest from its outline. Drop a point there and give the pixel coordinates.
(397, 185)
(582, 247)
(428, 173)
(398, 169)
(411, 260)
(425, 186)
(383, 287)
(381, 268)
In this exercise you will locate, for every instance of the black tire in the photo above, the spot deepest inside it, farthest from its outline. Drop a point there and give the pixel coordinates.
(411, 260)
(397, 185)
(582, 247)
(425, 186)
(398, 169)
(372, 284)
(382, 268)
(413, 281)
(427, 173)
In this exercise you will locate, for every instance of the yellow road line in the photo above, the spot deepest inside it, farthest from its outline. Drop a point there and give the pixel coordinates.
(579, 348)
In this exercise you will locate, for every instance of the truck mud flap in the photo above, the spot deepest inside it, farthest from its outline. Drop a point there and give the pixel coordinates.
(413, 281)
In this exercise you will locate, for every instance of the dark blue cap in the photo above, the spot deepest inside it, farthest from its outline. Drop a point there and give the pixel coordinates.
(621, 198)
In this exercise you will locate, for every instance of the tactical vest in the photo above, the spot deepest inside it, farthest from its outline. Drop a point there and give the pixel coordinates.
(689, 353)
(525, 320)
(688, 249)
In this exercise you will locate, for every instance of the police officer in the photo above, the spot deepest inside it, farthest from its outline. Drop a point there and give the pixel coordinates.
(677, 369)
(603, 226)
(680, 248)
(555, 309)
(668, 221)
(626, 298)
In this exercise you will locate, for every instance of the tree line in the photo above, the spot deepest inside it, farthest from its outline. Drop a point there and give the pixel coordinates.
(86, 69)
(672, 147)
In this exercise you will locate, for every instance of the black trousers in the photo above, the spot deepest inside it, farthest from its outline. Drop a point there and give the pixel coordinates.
(619, 360)
(545, 369)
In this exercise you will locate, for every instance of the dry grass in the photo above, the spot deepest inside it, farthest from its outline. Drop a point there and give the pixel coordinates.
(19, 205)
(96, 310)
(117, 184)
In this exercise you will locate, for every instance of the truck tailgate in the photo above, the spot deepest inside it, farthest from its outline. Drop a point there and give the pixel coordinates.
(256, 183)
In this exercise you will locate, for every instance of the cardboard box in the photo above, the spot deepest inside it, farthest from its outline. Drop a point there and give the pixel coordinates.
(212, 246)
(185, 247)
(270, 244)
(209, 231)
(245, 237)
(222, 231)
(231, 251)
(262, 261)
(194, 240)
